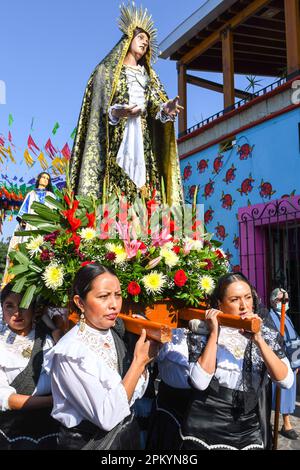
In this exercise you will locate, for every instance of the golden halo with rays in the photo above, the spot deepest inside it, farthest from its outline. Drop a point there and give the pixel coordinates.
(132, 17)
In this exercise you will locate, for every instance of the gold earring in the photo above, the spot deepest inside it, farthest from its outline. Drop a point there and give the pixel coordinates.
(82, 322)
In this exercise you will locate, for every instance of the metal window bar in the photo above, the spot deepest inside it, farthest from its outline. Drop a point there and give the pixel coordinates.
(270, 250)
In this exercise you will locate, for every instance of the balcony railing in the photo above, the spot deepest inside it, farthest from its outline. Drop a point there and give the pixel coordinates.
(239, 104)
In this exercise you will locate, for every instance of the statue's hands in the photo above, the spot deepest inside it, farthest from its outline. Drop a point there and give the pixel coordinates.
(127, 111)
(172, 108)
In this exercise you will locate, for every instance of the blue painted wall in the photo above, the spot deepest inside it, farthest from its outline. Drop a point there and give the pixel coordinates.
(263, 165)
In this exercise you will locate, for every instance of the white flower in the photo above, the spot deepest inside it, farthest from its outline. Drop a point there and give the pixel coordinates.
(207, 284)
(87, 233)
(168, 245)
(33, 246)
(154, 282)
(54, 276)
(119, 251)
(171, 259)
(190, 244)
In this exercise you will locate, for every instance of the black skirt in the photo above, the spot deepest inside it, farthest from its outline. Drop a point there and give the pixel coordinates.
(28, 430)
(87, 436)
(166, 419)
(213, 422)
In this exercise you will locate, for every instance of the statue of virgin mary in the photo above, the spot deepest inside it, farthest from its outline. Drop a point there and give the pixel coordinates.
(125, 141)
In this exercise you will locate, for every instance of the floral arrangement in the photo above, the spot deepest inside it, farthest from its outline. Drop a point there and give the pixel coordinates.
(151, 258)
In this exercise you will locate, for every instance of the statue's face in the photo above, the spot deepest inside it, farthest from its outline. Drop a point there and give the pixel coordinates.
(44, 180)
(139, 45)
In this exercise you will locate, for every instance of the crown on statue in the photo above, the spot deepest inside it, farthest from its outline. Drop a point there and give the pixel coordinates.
(133, 17)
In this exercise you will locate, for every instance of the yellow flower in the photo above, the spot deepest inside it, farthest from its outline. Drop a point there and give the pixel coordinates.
(33, 246)
(154, 282)
(53, 276)
(207, 284)
(87, 233)
(171, 259)
(118, 250)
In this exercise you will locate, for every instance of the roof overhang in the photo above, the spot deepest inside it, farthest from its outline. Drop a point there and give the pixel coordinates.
(199, 20)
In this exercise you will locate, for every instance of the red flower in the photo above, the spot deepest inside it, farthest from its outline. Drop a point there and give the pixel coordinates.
(180, 278)
(133, 288)
(110, 256)
(51, 237)
(92, 219)
(46, 255)
(219, 254)
(67, 199)
(74, 223)
(176, 249)
(87, 262)
(209, 264)
(75, 239)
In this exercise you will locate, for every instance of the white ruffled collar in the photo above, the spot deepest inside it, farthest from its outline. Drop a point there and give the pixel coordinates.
(15, 350)
(78, 344)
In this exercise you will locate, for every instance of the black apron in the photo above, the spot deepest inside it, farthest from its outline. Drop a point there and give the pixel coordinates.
(216, 420)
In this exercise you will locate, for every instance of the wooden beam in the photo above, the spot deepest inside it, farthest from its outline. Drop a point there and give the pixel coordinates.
(292, 28)
(182, 118)
(250, 10)
(218, 87)
(228, 67)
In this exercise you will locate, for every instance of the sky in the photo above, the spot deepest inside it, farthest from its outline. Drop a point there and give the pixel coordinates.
(48, 49)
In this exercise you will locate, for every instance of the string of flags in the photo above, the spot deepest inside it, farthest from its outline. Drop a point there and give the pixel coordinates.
(47, 155)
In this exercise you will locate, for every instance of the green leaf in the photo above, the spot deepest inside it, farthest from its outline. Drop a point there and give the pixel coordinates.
(28, 296)
(59, 205)
(35, 268)
(21, 258)
(18, 269)
(28, 233)
(47, 213)
(18, 286)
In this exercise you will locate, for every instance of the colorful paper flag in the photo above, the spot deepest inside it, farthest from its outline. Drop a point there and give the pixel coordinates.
(42, 160)
(51, 151)
(66, 152)
(9, 136)
(73, 133)
(28, 158)
(31, 126)
(58, 166)
(10, 119)
(8, 152)
(56, 126)
(2, 152)
(32, 145)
